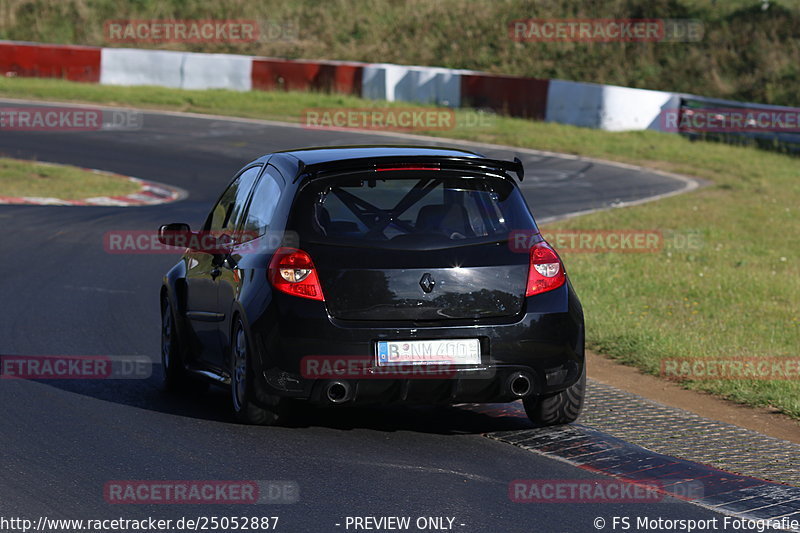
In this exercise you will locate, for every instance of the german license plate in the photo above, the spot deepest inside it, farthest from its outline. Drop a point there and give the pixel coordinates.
(432, 352)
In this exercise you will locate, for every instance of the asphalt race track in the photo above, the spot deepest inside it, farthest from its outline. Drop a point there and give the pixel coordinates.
(62, 441)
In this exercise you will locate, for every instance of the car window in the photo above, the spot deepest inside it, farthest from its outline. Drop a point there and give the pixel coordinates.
(398, 211)
(227, 214)
(263, 204)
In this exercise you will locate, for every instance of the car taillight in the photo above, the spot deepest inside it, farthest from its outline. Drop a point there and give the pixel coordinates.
(546, 270)
(292, 271)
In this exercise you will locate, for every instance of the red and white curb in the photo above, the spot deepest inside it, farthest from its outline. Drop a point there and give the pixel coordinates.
(150, 193)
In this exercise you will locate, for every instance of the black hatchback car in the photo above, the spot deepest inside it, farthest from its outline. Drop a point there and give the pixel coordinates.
(373, 274)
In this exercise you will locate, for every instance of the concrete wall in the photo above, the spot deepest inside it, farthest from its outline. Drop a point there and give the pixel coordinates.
(399, 83)
(587, 105)
(180, 70)
(606, 107)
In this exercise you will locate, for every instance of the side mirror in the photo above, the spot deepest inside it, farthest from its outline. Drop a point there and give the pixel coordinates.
(176, 234)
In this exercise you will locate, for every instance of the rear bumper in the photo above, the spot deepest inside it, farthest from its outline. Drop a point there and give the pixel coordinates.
(544, 345)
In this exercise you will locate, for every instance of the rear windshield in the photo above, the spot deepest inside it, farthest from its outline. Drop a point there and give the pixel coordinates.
(410, 209)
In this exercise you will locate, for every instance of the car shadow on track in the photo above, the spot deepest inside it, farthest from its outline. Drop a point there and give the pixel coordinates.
(439, 419)
(214, 405)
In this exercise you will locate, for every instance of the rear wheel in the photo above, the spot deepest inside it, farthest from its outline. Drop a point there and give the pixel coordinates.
(561, 408)
(271, 409)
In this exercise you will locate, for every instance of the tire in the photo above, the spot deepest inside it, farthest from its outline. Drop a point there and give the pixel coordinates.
(561, 408)
(272, 409)
(174, 376)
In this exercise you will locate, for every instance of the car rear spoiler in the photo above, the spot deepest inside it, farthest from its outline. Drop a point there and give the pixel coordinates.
(373, 163)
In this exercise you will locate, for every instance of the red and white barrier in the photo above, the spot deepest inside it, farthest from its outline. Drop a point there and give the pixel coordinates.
(588, 105)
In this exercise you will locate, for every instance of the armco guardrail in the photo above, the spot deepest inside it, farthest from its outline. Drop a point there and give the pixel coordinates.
(588, 105)
(769, 127)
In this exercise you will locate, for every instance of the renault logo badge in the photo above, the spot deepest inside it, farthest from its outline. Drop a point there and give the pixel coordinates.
(427, 283)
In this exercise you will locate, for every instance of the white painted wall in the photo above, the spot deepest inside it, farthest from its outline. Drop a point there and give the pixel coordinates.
(181, 70)
(606, 107)
(217, 71)
(124, 66)
(400, 83)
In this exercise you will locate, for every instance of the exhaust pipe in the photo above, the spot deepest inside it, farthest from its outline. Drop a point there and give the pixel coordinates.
(519, 385)
(338, 392)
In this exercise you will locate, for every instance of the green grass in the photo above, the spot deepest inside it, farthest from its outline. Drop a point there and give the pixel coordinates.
(746, 53)
(256, 104)
(737, 294)
(28, 178)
